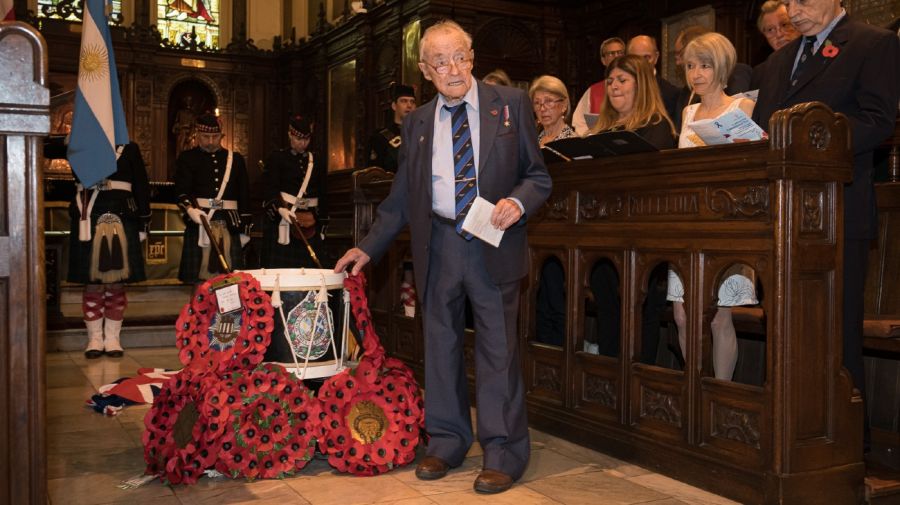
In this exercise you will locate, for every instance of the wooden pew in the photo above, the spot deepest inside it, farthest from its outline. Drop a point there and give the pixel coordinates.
(24, 120)
(775, 206)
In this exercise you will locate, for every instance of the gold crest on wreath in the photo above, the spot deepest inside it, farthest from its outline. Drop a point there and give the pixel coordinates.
(366, 422)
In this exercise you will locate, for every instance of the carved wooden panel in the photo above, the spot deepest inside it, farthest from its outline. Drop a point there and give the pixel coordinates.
(593, 207)
(600, 390)
(547, 377)
(740, 203)
(656, 203)
(660, 405)
(732, 423)
(812, 386)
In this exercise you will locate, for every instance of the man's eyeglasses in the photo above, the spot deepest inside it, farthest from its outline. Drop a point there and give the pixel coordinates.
(773, 29)
(545, 104)
(607, 54)
(442, 66)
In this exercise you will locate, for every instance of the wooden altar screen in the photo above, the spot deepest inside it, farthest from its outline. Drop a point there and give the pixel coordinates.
(774, 206)
(24, 120)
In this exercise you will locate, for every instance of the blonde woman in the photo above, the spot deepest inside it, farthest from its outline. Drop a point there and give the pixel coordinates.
(633, 102)
(550, 100)
(708, 61)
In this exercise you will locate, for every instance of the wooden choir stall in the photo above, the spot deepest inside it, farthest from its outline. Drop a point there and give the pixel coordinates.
(24, 121)
(788, 428)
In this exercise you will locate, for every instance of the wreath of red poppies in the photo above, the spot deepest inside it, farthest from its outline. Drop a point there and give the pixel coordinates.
(272, 431)
(263, 422)
(372, 417)
(252, 327)
(184, 428)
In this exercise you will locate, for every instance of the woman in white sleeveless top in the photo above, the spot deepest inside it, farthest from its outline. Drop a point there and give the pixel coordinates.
(709, 60)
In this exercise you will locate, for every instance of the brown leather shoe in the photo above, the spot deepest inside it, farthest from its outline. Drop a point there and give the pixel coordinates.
(492, 481)
(432, 468)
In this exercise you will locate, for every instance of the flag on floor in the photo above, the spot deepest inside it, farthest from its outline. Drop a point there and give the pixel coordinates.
(98, 122)
(7, 12)
(130, 390)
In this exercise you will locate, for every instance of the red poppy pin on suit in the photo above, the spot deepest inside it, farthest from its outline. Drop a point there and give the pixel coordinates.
(830, 50)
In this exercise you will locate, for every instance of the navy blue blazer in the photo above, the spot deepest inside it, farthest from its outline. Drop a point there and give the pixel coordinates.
(860, 81)
(509, 165)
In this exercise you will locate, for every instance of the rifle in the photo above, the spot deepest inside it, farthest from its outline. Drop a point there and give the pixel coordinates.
(204, 221)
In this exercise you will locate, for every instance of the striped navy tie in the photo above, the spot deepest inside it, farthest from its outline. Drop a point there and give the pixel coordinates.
(463, 165)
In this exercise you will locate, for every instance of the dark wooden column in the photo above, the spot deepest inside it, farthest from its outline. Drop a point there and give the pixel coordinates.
(24, 119)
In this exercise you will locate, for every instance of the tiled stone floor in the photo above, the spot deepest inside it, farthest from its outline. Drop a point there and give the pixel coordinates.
(90, 454)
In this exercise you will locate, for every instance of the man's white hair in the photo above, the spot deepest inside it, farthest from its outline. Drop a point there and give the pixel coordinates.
(444, 25)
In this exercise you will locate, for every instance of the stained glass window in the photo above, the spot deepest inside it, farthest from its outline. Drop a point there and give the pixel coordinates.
(178, 19)
(71, 10)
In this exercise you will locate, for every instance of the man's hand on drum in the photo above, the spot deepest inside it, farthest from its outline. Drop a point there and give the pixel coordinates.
(305, 218)
(355, 256)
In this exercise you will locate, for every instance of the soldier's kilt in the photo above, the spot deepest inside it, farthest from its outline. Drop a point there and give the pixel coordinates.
(119, 203)
(293, 255)
(192, 254)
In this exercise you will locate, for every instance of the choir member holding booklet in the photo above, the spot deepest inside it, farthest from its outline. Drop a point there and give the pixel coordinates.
(718, 118)
(709, 60)
(633, 102)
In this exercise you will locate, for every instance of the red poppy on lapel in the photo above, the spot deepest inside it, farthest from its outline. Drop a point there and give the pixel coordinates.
(494, 112)
(830, 50)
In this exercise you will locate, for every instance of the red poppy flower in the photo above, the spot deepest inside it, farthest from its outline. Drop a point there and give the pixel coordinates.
(830, 50)
(269, 467)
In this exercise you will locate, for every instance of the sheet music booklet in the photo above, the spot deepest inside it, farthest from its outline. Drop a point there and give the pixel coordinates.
(598, 145)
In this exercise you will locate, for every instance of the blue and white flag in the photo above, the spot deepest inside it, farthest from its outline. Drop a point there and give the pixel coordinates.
(98, 121)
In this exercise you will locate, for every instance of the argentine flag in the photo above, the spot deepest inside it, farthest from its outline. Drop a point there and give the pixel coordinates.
(98, 121)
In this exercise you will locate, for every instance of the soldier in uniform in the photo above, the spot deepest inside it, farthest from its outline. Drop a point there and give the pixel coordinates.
(211, 181)
(293, 182)
(109, 222)
(384, 145)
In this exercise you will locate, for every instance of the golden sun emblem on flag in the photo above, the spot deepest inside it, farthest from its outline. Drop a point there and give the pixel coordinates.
(93, 62)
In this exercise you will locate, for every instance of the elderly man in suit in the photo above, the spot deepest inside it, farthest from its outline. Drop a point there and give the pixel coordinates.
(470, 139)
(852, 67)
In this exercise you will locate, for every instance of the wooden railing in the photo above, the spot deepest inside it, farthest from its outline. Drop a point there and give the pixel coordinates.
(795, 436)
(24, 119)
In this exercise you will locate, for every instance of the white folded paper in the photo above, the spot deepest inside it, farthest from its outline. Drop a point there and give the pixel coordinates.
(478, 222)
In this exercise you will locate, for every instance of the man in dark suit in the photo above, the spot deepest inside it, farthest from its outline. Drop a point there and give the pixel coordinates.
(469, 139)
(852, 67)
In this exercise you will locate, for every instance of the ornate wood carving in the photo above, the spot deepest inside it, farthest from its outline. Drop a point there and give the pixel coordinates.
(592, 208)
(660, 405)
(557, 209)
(600, 390)
(813, 202)
(819, 136)
(507, 39)
(753, 202)
(735, 424)
(547, 377)
(663, 203)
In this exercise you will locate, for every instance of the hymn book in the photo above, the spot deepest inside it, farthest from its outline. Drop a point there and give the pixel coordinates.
(734, 124)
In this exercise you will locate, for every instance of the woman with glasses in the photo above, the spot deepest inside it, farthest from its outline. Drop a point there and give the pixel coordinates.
(550, 100)
(633, 102)
(551, 106)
